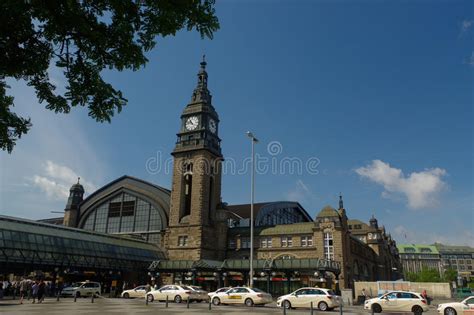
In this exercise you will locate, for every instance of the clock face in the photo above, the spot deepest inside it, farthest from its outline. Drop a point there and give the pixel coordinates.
(212, 126)
(192, 123)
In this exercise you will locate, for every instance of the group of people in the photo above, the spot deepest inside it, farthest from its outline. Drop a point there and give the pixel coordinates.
(25, 289)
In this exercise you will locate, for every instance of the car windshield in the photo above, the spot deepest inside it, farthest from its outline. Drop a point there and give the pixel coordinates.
(188, 288)
(76, 284)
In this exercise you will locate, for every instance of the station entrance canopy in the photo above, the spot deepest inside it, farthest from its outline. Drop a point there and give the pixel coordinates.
(243, 265)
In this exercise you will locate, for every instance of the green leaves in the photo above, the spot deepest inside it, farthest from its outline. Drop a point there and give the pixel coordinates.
(81, 39)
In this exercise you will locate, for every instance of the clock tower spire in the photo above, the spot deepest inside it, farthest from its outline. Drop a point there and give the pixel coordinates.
(196, 186)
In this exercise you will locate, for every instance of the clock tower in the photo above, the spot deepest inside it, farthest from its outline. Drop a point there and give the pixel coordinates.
(194, 231)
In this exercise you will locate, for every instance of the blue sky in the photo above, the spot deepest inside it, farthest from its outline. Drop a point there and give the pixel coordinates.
(378, 93)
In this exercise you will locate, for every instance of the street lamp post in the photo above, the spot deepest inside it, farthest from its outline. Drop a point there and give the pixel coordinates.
(252, 195)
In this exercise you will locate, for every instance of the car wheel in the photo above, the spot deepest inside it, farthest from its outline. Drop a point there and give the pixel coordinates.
(126, 296)
(216, 301)
(377, 308)
(150, 297)
(286, 304)
(323, 306)
(417, 310)
(178, 299)
(450, 311)
(249, 302)
(78, 294)
(198, 301)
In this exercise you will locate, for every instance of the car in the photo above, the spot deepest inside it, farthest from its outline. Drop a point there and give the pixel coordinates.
(138, 292)
(174, 292)
(242, 295)
(398, 301)
(323, 299)
(86, 288)
(464, 307)
(202, 295)
(218, 291)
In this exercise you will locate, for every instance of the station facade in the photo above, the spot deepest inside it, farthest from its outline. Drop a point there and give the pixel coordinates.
(206, 240)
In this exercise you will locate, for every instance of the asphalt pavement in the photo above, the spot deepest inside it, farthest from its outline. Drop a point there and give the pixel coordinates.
(138, 306)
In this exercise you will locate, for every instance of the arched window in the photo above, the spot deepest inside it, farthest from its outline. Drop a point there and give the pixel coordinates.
(127, 214)
(188, 187)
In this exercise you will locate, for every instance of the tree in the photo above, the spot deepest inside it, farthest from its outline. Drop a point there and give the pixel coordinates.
(450, 275)
(81, 38)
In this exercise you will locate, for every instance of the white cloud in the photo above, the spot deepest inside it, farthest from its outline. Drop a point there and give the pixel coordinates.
(466, 25)
(57, 181)
(419, 188)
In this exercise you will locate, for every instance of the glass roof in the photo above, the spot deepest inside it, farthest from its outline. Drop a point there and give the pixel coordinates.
(34, 243)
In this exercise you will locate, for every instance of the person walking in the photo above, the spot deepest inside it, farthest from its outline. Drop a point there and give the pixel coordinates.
(23, 286)
(41, 291)
(34, 291)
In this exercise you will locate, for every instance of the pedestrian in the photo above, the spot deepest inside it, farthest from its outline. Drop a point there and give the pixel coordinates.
(364, 294)
(147, 288)
(34, 291)
(1, 290)
(41, 291)
(23, 286)
(426, 297)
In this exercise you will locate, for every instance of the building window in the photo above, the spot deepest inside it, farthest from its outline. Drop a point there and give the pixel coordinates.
(286, 241)
(114, 209)
(245, 242)
(266, 242)
(328, 246)
(232, 243)
(182, 241)
(307, 241)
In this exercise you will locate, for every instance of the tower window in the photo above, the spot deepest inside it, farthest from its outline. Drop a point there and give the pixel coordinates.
(328, 246)
(183, 240)
(188, 185)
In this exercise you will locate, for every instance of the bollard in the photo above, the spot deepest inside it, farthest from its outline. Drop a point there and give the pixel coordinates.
(57, 298)
(146, 299)
(284, 310)
(210, 304)
(75, 296)
(167, 302)
(340, 309)
(372, 310)
(312, 309)
(92, 298)
(187, 303)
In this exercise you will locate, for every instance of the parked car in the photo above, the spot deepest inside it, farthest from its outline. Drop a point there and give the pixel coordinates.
(242, 295)
(138, 292)
(464, 307)
(398, 301)
(78, 289)
(323, 299)
(218, 291)
(174, 292)
(202, 295)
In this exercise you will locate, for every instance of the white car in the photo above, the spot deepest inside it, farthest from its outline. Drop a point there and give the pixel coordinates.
(173, 292)
(78, 289)
(398, 301)
(218, 291)
(464, 307)
(242, 295)
(138, 292)
(323, 299)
